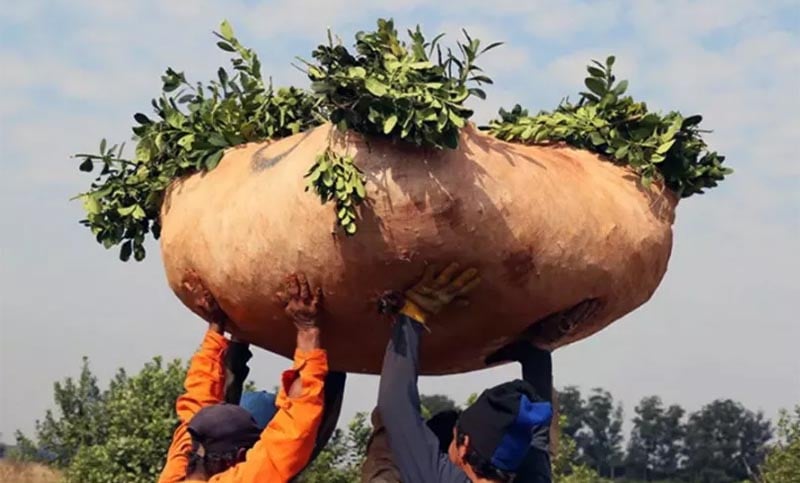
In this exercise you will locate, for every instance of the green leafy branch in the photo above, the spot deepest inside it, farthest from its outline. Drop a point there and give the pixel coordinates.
(665, 147)
(392, 89)
(411, 91)
(193, 125)
(388, 87)
(335, 177)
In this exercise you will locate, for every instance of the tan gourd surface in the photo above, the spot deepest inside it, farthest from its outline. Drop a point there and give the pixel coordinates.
(547, 226)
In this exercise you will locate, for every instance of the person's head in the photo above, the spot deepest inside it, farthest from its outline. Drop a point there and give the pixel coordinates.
(492, 437)
(441, 424)
(221, 435)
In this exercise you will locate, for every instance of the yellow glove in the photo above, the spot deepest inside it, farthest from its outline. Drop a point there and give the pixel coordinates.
(432, 293)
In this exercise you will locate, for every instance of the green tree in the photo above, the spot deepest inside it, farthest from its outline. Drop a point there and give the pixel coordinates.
(434, 403)
(655, 445)
(572, 406)
(77, 423)
(119, 434)
(24, 450)
(600, 437)
(725, 442)
(782, 464)
(567, 467)
(341, 460)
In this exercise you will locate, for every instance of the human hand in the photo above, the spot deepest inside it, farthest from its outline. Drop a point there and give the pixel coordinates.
(434, 292)
(204, 303)
(301, 304)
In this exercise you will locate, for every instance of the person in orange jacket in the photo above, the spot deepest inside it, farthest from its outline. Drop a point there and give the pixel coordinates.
(220, 442)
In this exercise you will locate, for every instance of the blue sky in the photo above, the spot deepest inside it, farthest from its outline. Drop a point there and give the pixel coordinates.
(723, 323)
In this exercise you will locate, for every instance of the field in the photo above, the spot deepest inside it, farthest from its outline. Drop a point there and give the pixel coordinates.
(13, 472)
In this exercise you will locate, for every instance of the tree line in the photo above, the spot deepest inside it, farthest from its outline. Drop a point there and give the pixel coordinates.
(121, 433)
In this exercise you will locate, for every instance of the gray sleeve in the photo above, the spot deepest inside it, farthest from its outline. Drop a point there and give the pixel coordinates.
(415, 449)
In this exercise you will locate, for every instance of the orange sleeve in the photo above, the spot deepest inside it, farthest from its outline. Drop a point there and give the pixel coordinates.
(288, 441)
(205, 384)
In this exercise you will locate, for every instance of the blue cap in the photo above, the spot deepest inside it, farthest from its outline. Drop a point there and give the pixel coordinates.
(261, 405)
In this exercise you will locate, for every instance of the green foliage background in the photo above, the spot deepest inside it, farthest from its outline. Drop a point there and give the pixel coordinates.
(783, 462)
(121, 434)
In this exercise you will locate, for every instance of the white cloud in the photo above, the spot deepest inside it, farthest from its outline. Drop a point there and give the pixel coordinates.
(564, 20)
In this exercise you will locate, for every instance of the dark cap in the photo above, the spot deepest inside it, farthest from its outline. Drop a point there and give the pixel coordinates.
(501, 422)
(224, 428)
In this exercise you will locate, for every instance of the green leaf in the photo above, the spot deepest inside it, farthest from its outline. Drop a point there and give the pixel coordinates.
(620, 88)
(90, 204)
(662, 149)
(218, 140)
(375, 87)
(143, 152)
(610, 60)
(479, 93)
(138, 213)
(141, 119)
(389, 124)
(138, 252)
(127, 210)
(125, 251)
(87, 165)
(186, 142)
(160, 141)
(226, 46)
(595, 85)
(692, 121)
(392, 65)
(175, 119)
(420, 65)
(360, 191)
(595, 72)
(456, 119)
(491, 46)
(321, 87)
(102, 146)
(672, 130)
(226, 30)
(213, 159)
(450, 139)
(351, 228)
(357, 72)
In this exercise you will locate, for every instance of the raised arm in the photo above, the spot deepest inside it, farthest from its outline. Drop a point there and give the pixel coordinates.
(204, 383)
(288, 440)
(415, 449)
